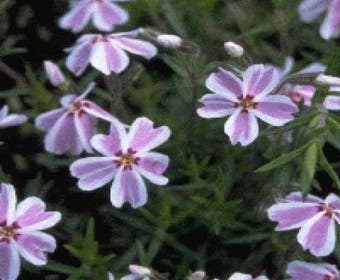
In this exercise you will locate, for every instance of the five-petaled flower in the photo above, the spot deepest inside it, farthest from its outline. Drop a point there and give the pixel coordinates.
(300, 92)
(126, 157)
(317, 219)
(246, 101)
(105, 15)
(107, 53)
(242, 276)
(20, 232)
(309, 10)
(299, 270)
(71, 127)
(7, 120)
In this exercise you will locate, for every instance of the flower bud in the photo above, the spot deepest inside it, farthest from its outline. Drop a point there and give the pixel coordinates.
(169, 40)
(54, 74)
(139, 270)
(325, 80)
(233, 49)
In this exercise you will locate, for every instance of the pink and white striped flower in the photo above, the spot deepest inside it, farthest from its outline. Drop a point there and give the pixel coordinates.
(70, 128)
(105, 15)
(309, 10)
(316, 218)
(54, 74)
(7, 120)
(20, 232)
(242, 276)
(245, 101)
(127, 156)
(298, 270)
(107, 53)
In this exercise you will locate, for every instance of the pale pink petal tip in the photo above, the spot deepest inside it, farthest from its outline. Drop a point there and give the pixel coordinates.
(332, 102)
(299, 270)
(54, 74)
(7, 120)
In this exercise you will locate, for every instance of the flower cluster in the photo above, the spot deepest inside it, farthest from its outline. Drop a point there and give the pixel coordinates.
(244, 94)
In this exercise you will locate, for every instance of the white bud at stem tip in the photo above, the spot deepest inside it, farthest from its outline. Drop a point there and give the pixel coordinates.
(233, 49)
(169, 40)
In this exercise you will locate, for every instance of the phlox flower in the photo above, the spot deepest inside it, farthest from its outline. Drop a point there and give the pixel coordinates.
(127, 156)
(300, 92)
(54, 74)
(7, 120)
(299, 270)
(105, 15)
(309, 10)
(107, 53)
(245, 101)
(138, 273)
(316, 218)
(20, 232)
(70, 128)
(242, 276)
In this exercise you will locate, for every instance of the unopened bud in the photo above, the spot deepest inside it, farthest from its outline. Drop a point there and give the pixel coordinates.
(325, 80)
(139, 270)
(233, 49)
(54, 74)
(169, 40)
(197, 275)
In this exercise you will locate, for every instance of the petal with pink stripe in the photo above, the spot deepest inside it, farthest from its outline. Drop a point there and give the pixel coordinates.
(34, 246)
(241, 127)
(292, 215)
(9, 262)
(106, 15)
(144, 137)
(318, 235)
(8, 202)
(152, 166)
(275, 109)
(215, 106)
(128, 186)
(31, 215)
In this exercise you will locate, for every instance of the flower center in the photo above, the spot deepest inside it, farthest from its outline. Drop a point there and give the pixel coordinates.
(328, 209)
(8, 232)
(75, 106)
(246, 103)
(127, 160)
